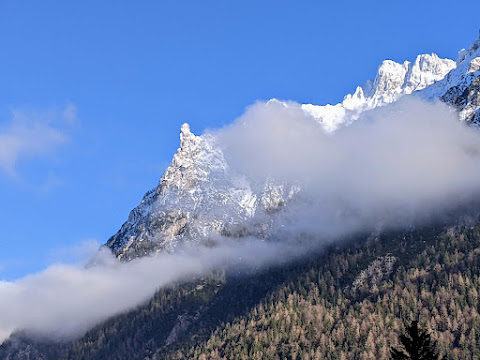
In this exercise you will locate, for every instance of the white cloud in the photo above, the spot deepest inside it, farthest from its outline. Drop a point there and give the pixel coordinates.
(64, 301)
(396, 164)
(77, 254)
(33, 134)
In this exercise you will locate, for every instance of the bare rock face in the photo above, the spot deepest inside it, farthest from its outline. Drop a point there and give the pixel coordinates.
(466, 101)
(378, 271)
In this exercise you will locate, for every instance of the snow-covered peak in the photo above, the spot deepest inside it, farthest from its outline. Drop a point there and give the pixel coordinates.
(195, 159)
(425, 71)
(391, 82)
(200, 197)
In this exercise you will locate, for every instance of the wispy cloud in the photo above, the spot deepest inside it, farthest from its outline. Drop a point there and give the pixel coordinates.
(30, 134)
(77, 254)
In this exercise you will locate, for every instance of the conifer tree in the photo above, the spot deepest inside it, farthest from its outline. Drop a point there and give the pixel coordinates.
(417, 343)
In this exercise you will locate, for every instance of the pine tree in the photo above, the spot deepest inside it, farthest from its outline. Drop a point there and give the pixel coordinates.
(417, 343)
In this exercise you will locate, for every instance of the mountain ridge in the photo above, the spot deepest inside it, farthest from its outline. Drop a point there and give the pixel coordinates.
(200, 196)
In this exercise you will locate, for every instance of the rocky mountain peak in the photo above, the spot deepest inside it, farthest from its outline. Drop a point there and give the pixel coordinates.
(394, 80)
(187, 138)
(186, 168)
(390, 76)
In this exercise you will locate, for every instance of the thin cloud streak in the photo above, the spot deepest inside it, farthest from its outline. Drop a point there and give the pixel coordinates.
(33, 134)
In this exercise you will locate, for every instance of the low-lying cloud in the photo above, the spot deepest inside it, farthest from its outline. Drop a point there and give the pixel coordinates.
(65, 301)
(396, 166)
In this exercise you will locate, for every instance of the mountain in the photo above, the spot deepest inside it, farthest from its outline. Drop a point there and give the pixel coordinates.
(347, 301)
(199, 195)
(196, 197)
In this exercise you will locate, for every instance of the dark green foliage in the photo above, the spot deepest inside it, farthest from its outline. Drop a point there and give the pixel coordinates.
(417, 344)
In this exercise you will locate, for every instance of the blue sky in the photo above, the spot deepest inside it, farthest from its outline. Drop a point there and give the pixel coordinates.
(93, 93)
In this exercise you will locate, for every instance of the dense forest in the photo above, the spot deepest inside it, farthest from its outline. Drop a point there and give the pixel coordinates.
(321, 315)
(349, 301)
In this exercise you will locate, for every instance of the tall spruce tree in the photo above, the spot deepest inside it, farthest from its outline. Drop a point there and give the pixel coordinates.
(417, 343)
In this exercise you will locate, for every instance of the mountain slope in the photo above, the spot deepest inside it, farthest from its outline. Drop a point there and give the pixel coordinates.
(460, 87)
(321, 315)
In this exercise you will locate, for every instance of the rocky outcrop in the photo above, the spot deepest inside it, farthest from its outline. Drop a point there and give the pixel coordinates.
(378, 271)
(466, 101)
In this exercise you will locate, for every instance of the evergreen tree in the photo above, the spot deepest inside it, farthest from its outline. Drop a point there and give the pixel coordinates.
(418, 345)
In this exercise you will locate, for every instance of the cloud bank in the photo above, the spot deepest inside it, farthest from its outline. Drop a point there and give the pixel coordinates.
(398, 165)
(65, 301)
(395, 165)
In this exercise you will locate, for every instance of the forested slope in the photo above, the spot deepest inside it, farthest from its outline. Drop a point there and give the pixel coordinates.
(319, 315)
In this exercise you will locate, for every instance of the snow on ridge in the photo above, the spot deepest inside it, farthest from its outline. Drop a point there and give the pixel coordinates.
(457, 81)
(392, 81)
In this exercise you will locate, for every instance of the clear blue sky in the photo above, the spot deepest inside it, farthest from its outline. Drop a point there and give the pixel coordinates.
(93, 93)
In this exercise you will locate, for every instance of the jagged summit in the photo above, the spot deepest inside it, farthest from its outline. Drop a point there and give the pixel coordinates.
(186, 136)
(186, 168)
(391, 82)
(199, 197)
(465, 54)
